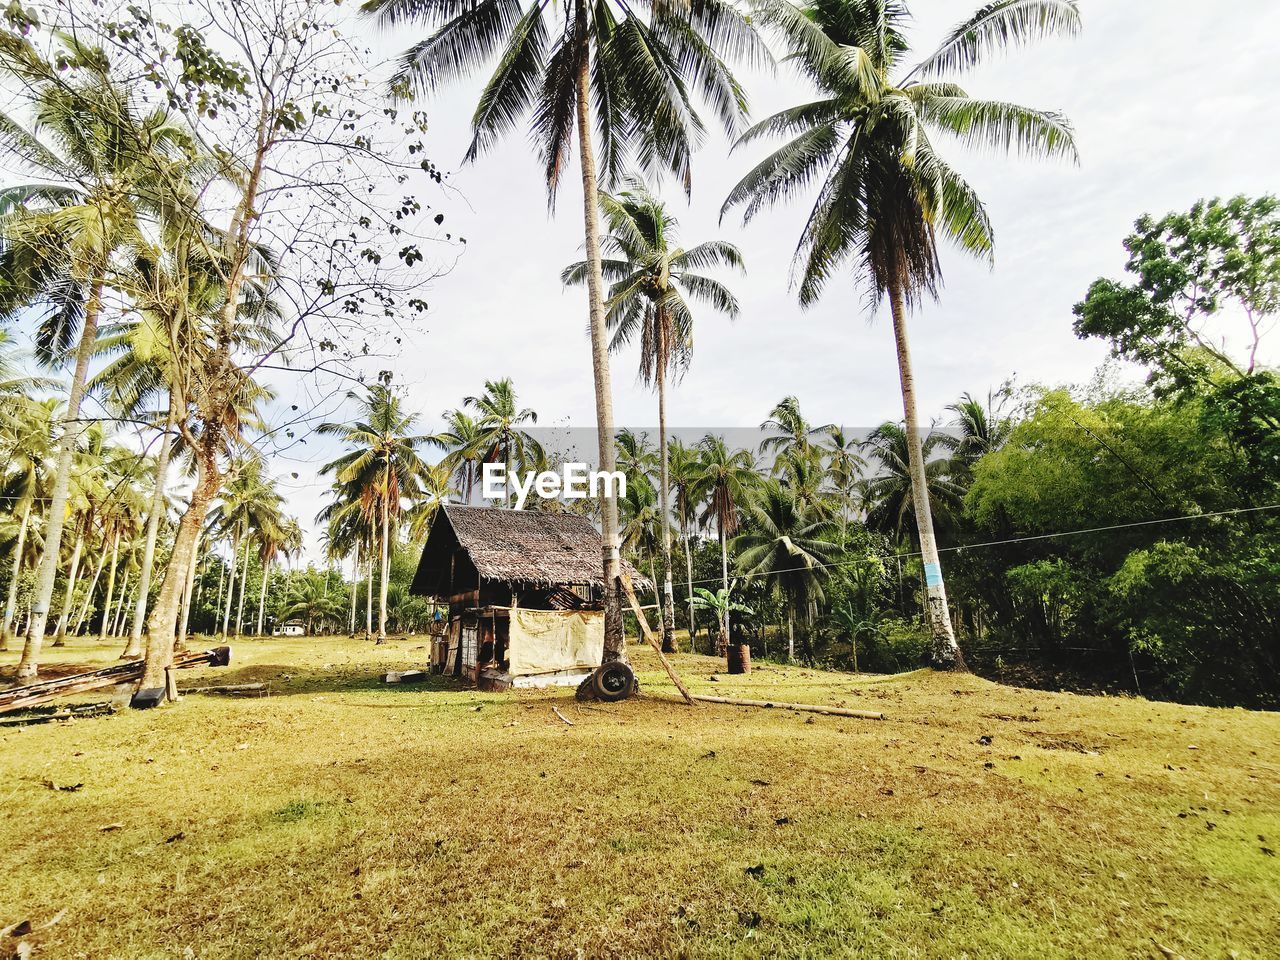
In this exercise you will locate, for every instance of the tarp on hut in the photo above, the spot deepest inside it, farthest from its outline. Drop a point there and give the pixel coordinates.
(551, 641)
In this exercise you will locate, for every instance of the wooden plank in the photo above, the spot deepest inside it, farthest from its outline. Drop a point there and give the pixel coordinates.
(34, 694)
(624, 581)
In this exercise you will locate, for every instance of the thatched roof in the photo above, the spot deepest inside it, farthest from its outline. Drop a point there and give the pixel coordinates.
(512, 546)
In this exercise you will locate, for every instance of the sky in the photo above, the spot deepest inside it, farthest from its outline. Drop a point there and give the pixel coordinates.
(1171, 101)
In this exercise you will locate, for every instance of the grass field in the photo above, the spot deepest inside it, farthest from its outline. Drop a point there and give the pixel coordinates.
(343, 817)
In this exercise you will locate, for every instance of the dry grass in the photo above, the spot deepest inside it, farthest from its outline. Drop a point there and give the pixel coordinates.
(340, 817)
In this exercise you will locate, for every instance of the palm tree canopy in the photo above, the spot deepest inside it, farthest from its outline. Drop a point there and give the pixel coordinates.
(653, 279)
(647, 60)
(886, 192)
(886, 492)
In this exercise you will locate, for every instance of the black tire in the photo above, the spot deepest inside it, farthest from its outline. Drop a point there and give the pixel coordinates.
(613, 681)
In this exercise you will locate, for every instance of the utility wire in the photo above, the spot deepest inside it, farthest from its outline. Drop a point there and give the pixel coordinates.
(1030, 537)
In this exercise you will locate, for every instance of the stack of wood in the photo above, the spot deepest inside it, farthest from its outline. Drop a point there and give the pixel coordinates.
(34, 694)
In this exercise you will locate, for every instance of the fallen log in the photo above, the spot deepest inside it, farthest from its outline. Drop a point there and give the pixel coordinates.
(34, 694)
(803, 707)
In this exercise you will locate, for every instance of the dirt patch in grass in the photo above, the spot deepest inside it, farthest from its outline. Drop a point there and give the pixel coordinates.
(343, 817)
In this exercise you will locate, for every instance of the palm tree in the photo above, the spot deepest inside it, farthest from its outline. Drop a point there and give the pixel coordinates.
(724, 481)
(685, 468)
(981, 429)
(500, 420)
(381, 470)
(281, 536)
(720, 604)
(653, 280)
(845, 466)
(887, 193)
(790, 434)
(462, 438)
(554, 61)
(887, 494)
(96, 160)
(791, 547)
(25, 485)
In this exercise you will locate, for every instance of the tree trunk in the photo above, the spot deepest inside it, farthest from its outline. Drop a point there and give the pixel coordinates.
(722, 642)
(222, 582)
(72, 431)
(111, 589)
(185, 619)
(231, 584)
(368, 601)
(688, 564)
(664, 505)
(11, 604)
(944, 653)
(355, 589)
(162, 624)
(117, 620)
(791, 632)
(149, 545)
(88, 597)
(614, 642)
(73, 572)
(386, 553)
(262, 595)
(244, 585)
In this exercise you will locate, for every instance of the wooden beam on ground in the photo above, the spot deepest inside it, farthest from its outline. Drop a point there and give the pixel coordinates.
(803, 707)
(34, 694)
(624, 581)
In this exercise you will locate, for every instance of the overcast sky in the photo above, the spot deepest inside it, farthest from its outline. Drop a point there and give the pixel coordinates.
(1171, 101)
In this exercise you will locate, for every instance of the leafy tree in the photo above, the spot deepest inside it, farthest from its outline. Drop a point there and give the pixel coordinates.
(886, 192)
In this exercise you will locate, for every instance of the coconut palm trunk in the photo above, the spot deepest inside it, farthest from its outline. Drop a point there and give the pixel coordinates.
(368, 602)
(231, 584)
(244, 587)
(664, 504)
(791, 631)
(355, 589)
(163, 622)
(386, 554)
(688, 571)
(262, 595)
(11, 602)
(187, 595)
(72, 430)
(614, 642)
(121, 606)
(944, 652)
(88, 597)
(111, 589)
(722, 641)
(134, 649)
(73, 573)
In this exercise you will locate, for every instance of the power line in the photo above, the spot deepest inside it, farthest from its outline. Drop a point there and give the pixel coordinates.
(1025, 539)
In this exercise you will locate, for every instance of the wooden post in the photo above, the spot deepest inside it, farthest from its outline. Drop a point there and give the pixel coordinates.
(624, 581)
(170, 685)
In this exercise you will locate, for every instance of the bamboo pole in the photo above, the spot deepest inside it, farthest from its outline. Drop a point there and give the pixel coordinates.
(624, 581)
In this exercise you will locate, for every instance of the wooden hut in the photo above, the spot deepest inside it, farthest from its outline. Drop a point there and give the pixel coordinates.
(525, 595)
